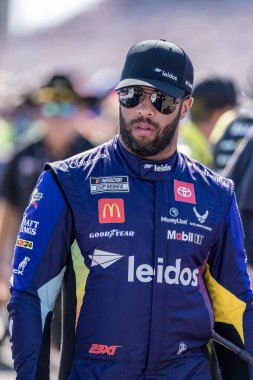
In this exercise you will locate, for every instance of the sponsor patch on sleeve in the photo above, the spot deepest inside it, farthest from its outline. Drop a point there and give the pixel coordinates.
(24, 243)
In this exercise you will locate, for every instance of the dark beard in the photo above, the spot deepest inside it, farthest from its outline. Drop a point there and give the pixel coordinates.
(145, 149)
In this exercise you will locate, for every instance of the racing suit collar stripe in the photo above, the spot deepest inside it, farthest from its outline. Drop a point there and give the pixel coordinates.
(145, 169)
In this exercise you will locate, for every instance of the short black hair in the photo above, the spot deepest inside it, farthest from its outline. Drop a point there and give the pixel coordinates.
(211, 94)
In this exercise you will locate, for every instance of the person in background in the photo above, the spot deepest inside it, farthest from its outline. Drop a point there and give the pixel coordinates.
(99, 117)
(228, 133)
(214, 97)
(51, 135)
(240, 169)
(157, 240)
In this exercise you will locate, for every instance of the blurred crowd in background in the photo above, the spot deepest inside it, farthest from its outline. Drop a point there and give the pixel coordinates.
(57, 120)
(66, 114)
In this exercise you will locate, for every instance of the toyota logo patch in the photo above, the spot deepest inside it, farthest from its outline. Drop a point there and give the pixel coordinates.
(184, 192)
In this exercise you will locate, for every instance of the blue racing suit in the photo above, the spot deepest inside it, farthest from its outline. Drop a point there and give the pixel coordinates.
(150, 256)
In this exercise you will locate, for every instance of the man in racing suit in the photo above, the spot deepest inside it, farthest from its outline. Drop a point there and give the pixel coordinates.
(146, 243)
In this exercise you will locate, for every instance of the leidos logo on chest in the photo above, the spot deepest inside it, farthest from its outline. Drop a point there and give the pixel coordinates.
(111, 210)
(171, 274)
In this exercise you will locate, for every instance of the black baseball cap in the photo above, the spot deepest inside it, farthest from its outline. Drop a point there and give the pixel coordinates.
(159, 64)
(216, 92)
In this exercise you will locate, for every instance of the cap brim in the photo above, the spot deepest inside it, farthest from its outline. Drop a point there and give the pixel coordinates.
(168, 88)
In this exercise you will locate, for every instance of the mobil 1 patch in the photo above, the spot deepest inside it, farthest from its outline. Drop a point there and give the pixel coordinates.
(114, 184)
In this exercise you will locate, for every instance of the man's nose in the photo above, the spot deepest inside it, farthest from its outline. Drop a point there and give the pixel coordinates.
(145, 108)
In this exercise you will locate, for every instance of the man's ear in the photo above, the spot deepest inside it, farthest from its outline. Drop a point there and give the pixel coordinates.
(187, 103)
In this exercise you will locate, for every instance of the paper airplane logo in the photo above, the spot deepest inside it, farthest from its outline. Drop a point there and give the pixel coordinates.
(103, 258)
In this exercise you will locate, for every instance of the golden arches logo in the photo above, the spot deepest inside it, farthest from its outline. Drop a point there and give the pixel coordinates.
(111, 210)
(111, 207)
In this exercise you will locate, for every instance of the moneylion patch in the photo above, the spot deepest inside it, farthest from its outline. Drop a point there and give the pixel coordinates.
(114, 184)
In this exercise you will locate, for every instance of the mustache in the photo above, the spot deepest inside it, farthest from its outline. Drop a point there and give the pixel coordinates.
(145, 120)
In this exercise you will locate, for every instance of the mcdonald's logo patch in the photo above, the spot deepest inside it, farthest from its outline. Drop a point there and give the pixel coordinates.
(111, 210)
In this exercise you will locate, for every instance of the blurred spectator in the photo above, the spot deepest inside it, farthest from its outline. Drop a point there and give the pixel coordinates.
(22, 115)
(56, 138)
(19, 116)
(227, 135)
(98, 120)
(99, 123)
(240, 169)
(213, 97)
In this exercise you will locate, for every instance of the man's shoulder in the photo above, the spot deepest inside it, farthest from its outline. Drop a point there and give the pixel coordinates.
(72, 174)
(205, 176)
(82, 161)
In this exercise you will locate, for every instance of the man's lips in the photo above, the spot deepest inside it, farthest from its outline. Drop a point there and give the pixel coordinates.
(143, 129)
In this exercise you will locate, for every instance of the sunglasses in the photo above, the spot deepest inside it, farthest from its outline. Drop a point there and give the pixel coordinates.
(130, 97)
(54, 109)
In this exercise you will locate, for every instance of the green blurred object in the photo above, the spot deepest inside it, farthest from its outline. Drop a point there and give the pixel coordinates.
(193, 143)
(6, 138)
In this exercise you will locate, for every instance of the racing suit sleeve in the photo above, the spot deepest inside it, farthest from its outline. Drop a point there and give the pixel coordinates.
(229, 288)
(40, 257)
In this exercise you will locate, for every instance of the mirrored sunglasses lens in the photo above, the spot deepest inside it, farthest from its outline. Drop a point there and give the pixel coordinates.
(163, 103)
(129, 97)
(168, 106)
